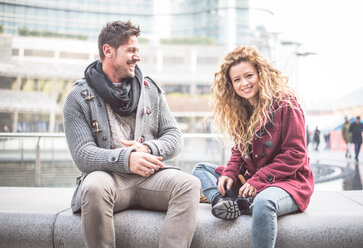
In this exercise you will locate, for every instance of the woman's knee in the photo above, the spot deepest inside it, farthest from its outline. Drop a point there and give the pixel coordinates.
(198, 169)
(203, 168)
(262, 207)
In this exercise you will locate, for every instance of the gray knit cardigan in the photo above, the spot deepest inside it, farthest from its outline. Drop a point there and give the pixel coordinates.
(88, 134)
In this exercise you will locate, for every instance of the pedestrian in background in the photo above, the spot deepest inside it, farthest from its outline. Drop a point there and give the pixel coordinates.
(6, 128)
(317, 138)
(347, 136)
(356, 128)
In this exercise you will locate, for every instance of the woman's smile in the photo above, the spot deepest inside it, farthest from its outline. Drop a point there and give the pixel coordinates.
(245, 79)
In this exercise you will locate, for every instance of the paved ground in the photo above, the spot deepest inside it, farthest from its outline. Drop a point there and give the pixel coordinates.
(337, 159)
(40, 217)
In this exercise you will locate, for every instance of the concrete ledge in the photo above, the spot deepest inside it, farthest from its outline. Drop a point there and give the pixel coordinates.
(333, 219)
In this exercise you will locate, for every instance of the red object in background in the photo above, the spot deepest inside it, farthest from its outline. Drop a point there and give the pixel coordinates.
(337, 142)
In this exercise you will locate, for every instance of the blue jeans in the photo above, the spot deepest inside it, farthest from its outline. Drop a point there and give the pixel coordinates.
(267, 205)
(357, 146)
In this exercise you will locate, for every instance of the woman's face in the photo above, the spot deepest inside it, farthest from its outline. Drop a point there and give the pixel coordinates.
(245, 79)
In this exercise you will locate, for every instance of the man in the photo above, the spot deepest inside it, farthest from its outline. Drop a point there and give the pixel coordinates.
(317, 138)
(347, 136)
(356, 128)
(119, 129)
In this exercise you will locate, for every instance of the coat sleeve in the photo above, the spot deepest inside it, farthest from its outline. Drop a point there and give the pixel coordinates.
(292, 155)
(233, 165)
(169, 142)
(87, 156)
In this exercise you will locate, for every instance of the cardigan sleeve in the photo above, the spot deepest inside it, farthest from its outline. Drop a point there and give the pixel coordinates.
(169, 142)
(292, 155)
(87, 156)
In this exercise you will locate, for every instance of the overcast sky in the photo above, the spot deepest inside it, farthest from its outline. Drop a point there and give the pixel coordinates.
(330, 28)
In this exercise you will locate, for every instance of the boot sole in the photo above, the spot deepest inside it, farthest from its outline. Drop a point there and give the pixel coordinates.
(227, 210)
(231, 209)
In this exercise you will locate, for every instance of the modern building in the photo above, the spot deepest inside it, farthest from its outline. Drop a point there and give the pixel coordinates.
(37, 72)
(225, 22)
(70, 18)
(222, 22)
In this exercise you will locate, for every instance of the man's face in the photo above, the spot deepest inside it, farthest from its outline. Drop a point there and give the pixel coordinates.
(357, 120)
(125, 58)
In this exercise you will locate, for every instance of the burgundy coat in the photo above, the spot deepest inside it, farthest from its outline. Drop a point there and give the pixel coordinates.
(279, 156)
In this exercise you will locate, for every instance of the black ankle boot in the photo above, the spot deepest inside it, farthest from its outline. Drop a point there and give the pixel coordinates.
(216, 200)
(229, 208)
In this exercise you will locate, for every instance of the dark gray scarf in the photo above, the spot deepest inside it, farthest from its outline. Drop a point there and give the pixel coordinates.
(122, 100)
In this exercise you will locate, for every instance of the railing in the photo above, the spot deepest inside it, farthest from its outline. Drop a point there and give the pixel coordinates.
(45, 157)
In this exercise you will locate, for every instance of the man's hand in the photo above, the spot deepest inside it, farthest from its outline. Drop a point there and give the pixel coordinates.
(136, 145)
(223, 180)
(247, 190)
(144, 164)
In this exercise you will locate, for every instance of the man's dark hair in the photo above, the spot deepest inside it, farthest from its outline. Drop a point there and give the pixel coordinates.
(116, 34)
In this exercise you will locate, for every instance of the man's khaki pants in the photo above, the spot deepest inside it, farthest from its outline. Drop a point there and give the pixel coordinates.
(169, 189)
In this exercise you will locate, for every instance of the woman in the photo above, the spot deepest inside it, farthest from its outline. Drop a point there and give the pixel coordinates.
(269, 167)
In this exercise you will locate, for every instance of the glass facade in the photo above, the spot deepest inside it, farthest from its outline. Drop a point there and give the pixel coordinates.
(225, 21)
(82, 18)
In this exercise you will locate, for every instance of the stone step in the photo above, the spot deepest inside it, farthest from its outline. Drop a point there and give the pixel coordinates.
(40, 217)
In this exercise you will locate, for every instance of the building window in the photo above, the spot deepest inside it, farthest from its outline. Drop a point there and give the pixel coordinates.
(71, 55)
(6, 82)
(30, 122)
(177, 89)
(5, 122)
(38, 53)
(173, 60)
(203, 89)
(207, 60)
(15, 52)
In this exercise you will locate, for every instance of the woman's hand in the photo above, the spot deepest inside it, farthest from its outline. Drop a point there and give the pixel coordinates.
(247, 190)
(224, 180)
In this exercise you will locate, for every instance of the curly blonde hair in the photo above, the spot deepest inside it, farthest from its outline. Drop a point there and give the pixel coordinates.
(230, 111)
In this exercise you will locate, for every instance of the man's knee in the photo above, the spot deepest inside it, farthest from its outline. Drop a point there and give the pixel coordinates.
(192, 187)
(97, 185)
(186, 183)
(194, 183)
